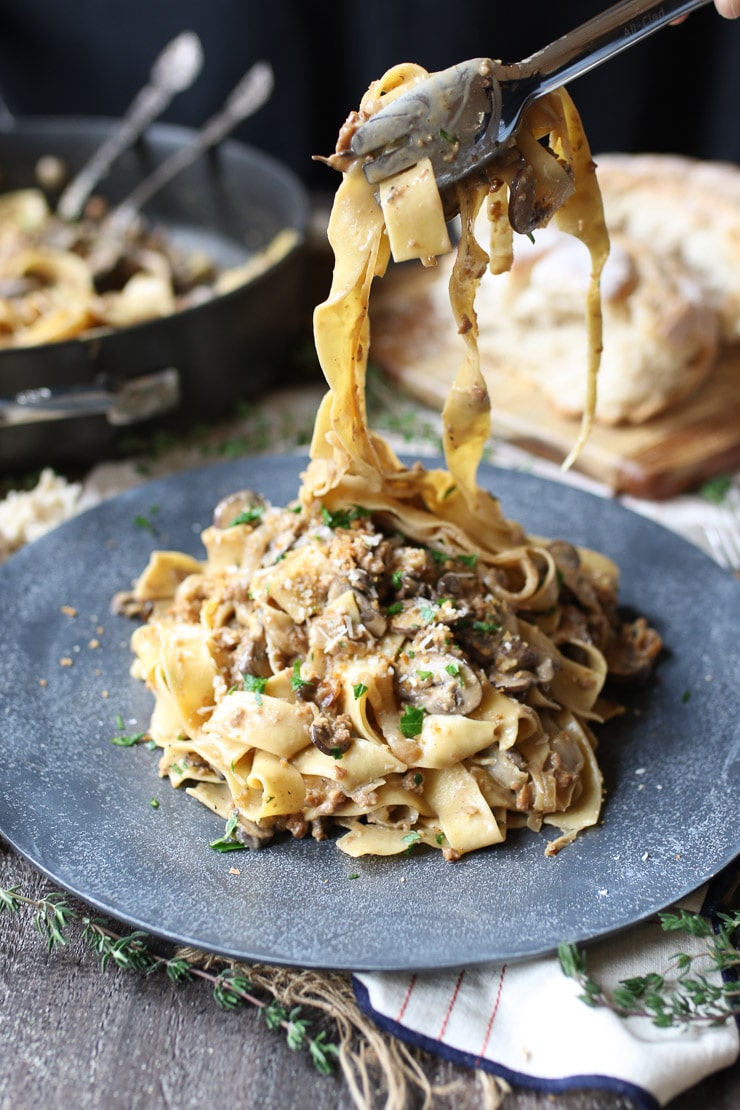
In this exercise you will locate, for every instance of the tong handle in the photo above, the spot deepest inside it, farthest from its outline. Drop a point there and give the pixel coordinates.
(597, 40)
(174, 70)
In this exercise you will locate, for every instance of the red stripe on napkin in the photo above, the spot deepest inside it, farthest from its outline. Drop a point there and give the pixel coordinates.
(451, 1005)
(406, 998)
(494, 1011)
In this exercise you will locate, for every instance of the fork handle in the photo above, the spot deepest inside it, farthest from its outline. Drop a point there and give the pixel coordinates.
(594, 42)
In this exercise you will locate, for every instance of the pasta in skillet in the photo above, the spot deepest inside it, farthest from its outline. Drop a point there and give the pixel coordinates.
(390, 654)
(61, 280)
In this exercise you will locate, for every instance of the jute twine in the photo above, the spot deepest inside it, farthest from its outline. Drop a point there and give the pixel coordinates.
(380, 1071)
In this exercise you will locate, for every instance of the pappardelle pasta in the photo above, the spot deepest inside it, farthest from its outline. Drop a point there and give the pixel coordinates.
(61, 280)
(390, 655)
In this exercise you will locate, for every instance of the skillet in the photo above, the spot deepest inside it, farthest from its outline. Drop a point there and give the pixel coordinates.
(193, 363)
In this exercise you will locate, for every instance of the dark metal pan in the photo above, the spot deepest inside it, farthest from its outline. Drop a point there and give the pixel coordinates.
(75, 394)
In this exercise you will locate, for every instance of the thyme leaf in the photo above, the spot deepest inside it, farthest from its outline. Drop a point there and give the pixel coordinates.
(683, 994)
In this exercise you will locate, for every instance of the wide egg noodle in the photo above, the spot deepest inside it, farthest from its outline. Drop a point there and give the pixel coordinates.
(390, 654)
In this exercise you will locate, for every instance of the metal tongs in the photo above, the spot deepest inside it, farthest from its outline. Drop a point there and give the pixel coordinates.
(463, 117)
(173, 71)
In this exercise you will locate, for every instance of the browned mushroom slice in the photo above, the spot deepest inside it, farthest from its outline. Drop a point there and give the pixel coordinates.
(365, 593)
(438, 682)
(244, 507)
(331, 735)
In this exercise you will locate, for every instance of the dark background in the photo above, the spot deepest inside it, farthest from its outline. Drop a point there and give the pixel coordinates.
(678, 91)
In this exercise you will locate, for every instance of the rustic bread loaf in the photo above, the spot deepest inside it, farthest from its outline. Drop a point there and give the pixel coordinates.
(682, 208)
(660, 337)
(671, 291)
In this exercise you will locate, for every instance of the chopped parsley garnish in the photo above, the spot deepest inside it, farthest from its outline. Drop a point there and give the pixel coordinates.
(411, 721)
(685, 696)
(296, 682)
(249, 516)
(486, 626)
(438, 556)
(448, 138)
(354, 875)
(468, 560)
(453, 670)
(154, 803)
(418, 778)
(397, 579)
(228, 842)
(411, 839)
(425, 675)
(336, 753)
(343, 518)
(256, 686)
(359, 689)
(128, 741)
(123, 740)
(395, 607)
(144, 522)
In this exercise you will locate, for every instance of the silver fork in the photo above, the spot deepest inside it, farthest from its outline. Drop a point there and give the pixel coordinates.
(723, 533)
(462, 117)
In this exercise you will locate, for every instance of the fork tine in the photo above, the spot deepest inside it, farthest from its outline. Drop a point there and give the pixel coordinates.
(444, 118)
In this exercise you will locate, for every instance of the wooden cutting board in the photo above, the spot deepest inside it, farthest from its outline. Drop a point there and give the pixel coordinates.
(668, 455)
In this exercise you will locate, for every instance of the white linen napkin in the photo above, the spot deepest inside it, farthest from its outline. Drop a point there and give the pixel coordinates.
(526, 1022)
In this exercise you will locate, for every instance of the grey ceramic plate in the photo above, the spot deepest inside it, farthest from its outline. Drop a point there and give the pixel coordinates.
(80, 809)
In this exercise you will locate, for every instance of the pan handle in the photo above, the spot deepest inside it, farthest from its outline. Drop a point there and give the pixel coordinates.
(122, 401)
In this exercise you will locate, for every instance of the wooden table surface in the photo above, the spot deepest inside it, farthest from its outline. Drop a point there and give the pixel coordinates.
(72, 1035)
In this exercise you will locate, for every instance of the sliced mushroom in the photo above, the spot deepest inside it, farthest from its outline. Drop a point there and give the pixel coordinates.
(481, 638)
(331, 735)
(413, 571)
(253, 658)
(632, 653)
(253, 835)
(365, 594)
(438, 682)
(230, 508)
(522, 199)
(566, 556)
(454, 584)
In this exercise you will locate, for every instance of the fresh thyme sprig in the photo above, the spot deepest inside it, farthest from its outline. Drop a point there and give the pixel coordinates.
(684, 994)
(230, 987)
